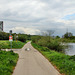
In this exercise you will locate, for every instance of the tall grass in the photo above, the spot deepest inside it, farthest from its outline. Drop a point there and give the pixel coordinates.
(8, 61)
(7, 44)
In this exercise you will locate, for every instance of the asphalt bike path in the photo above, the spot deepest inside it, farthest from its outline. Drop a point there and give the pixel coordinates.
(32, 62)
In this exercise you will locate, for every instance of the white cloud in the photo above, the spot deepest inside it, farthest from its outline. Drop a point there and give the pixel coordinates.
(36, 14)
(26, 30)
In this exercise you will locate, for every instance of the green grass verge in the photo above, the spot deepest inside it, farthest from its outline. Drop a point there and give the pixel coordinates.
(8, 61)
(15, 44)
(65, 63)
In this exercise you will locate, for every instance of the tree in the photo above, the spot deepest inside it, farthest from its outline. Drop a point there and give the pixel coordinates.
(35, 38)
(68, 35)
(4, 36)
(22, 38)
(57, 37)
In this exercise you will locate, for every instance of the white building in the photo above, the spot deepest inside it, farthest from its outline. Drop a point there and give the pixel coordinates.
(1, 25)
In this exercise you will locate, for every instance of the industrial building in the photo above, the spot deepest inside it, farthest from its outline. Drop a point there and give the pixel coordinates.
(1, 25)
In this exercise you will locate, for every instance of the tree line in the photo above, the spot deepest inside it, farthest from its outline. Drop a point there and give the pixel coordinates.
(20, 37)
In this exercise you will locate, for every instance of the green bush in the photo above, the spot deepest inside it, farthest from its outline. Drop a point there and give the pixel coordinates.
(72, 57)
(48, 41)
(55, 45)
(21, 38)
(42, 42)
(35, 38)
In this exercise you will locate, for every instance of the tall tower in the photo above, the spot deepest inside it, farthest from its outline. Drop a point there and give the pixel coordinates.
(1, 25)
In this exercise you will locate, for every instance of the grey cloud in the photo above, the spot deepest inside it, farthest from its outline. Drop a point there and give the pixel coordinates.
(41, 14)
(25, 21)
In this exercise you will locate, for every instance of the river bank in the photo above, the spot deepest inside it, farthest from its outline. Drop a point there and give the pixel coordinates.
(64, 63)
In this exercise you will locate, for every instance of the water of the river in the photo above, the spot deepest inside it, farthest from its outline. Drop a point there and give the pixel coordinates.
(71, 49)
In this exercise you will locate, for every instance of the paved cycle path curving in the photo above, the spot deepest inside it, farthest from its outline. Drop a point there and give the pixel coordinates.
(32, 62)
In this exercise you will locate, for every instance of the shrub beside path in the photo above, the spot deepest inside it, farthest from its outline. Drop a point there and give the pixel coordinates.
(32, 62)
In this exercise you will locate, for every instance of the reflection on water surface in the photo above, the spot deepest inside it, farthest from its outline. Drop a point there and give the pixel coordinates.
(71, 49)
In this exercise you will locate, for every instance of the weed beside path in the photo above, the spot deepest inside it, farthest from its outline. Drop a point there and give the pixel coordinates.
(8, 61)
(65, 63)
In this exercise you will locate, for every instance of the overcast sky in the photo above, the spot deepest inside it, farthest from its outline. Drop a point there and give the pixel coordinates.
(34, 16)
